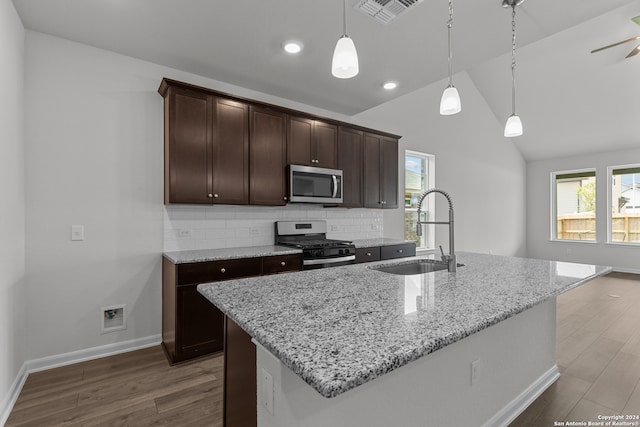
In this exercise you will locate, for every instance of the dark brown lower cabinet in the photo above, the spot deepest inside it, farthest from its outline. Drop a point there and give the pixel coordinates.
(377, 253)
(191, 325)
(240, 402)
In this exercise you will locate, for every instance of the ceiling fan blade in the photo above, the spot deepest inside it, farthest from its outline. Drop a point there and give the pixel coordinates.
(634, 52)
(616, 44)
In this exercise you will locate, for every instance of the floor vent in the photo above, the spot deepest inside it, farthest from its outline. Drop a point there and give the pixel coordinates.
(385, 11)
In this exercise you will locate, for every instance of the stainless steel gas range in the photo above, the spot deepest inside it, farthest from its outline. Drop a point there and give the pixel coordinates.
(317, 250)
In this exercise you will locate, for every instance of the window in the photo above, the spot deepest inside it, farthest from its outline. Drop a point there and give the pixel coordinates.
(624, 223)
(574, 205)
(418, 177)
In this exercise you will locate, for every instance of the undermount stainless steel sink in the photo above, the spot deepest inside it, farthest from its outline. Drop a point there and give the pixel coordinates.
(419, 266)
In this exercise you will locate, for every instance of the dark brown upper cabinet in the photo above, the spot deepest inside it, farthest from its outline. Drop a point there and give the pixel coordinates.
(350, 146)
(223, 149)
(206, 148)
(267, 156)
(380, 171)
(230, 172)
(187, 149)
(312, 142)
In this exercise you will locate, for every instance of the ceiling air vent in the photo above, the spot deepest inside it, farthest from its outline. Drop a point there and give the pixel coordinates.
(385, 11)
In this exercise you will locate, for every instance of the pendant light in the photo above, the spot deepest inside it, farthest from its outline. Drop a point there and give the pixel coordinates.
(450, 101)
(513, 127)
(345, 57)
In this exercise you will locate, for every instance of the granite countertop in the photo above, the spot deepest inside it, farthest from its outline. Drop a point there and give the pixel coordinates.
(341, 327)
(201, 255)
(382, 241)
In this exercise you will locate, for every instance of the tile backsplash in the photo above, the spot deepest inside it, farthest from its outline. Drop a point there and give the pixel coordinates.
(188, 227)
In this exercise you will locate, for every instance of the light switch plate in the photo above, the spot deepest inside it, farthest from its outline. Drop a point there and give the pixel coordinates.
(77, 233)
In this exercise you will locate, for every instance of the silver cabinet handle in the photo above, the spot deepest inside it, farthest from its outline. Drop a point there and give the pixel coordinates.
(368, 253)
(282, 263)
(223, 270)
(215, 196)
(284, 198)
(399, 251)
(209, 195)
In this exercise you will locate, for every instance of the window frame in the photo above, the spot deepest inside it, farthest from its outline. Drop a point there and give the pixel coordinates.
(554, 208)
(610, 170)
(429, 229)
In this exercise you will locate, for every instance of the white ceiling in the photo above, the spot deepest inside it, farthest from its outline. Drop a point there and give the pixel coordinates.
(238, 41)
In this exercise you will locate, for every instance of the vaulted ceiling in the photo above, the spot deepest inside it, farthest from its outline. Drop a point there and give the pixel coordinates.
(239, 42)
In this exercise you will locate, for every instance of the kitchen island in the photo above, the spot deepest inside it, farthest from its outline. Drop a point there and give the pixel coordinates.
(355, 346)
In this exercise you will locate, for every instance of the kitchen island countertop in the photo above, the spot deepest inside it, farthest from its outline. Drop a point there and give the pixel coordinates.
(338, 328)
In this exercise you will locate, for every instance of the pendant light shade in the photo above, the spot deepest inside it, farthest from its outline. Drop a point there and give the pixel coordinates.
(345, 57)
(513, 126)
(450, 101)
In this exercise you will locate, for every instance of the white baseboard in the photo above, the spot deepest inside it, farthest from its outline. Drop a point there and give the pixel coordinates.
(626, 270)
(510, 412)
(56, 361)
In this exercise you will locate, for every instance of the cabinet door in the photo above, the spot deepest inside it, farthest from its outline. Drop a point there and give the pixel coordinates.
(389, 172)
(267, 157)
(350, 143)
(199, 324)
(187, 146)
(324, 150)
(371, 174)
(231, 153)
(299, 137)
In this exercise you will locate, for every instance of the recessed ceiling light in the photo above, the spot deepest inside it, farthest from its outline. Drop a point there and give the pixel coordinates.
(292, 46)
(390, 85)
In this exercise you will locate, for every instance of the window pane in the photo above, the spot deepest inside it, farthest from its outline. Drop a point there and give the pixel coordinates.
(415, 183)
(625, 205)
(576, 206)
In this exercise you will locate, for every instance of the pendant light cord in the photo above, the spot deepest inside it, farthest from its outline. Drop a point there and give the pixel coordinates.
(513, 60)
(344, 18)
(449, 25)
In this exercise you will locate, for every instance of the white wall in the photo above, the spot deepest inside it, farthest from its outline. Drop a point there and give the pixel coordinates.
(539, 244)
(482, 170)
(12, 225)
(94, 157)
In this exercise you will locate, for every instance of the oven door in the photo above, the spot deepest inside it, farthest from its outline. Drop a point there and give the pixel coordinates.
(309, 184)
(310, 264)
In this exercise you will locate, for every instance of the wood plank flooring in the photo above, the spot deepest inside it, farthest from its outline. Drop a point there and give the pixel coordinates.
(598, 352)
(131, 389)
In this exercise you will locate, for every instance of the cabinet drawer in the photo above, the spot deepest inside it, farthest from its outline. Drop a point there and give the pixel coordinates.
(398, 251)
(281, 263)
(213, 271)
(367, 254)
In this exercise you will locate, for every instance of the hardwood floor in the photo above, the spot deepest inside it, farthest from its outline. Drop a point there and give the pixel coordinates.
(598, 352)
(132, 389)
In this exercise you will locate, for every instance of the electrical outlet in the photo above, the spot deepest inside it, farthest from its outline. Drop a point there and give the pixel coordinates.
(475, 371)
(253, 231)
(334, 228)
(185, 232)
(267, 391)
(77, 233)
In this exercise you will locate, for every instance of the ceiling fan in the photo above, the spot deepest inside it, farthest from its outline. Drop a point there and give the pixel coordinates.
(635, 50)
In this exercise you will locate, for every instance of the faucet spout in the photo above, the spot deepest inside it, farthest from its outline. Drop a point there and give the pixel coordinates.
(450, 259)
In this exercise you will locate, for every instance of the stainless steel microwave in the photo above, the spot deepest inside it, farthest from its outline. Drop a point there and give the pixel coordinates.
(308, 184)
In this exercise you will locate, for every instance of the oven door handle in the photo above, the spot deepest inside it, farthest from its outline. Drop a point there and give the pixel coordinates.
(328, 260)
(335, 185)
